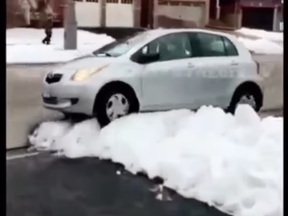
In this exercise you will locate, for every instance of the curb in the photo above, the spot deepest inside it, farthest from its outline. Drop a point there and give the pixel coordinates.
(34, 64)
(276, 109)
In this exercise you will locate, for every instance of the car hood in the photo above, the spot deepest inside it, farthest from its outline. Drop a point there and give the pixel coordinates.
(85, 62)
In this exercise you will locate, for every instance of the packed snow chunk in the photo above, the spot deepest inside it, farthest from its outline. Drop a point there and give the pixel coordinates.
(47, 134)
(261, 46)
(244, 115)
(272, 36)
(24, 45)
(80, 140)
(131, 140)
(233, 162)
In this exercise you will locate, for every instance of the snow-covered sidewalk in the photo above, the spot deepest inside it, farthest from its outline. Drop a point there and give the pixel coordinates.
(25, 46)
(232, 162)
(262, 46)
(258, 33)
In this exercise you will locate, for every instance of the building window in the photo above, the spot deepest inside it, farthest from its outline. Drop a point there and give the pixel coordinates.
(92, 1)
(170, 47)
(161, 2)
(112, 1)
(126, 1)
(176, 3)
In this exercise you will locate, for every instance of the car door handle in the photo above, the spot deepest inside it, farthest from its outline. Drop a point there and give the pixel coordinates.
(191, 66)
(234, 63)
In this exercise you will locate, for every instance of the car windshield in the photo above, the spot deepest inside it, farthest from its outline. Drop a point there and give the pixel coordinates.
(120, 47)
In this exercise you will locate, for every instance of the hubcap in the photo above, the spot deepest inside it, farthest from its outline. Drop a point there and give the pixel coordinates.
(117, 106)
(248, 99)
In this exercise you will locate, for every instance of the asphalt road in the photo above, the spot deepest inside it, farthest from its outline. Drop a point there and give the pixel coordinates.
(24, 108)
(44, 185)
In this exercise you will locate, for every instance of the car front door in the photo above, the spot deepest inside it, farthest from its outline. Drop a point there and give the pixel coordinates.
(166, 83)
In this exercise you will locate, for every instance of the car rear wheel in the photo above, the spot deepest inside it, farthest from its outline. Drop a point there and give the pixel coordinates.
(114, 102)
(251, 97)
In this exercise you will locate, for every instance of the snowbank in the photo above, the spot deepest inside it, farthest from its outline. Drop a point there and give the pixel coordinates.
(232, 162)
(272, 36)
(261, 46)
(25, 45)
(263, 42)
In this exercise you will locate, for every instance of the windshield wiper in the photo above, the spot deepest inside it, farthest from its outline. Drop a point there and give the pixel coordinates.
(103, 53)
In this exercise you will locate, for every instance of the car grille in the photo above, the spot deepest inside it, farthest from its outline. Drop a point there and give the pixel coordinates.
(50, 100)
(53, 78)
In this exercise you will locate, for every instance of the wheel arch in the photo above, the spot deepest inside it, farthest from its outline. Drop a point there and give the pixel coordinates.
(115, 84)
(251, 85)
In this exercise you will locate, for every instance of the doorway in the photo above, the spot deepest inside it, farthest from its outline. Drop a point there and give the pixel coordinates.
(258, 18)
(146, 14)
(213, 9)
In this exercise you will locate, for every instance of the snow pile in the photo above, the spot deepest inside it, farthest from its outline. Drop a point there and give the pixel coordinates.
(261, 46)
(234, 163)
(25, 45)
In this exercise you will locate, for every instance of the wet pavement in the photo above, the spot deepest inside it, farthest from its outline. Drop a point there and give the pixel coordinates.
(46, 185)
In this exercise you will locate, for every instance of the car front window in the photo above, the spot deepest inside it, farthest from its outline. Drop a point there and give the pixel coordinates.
(120, 47)
(170, 47)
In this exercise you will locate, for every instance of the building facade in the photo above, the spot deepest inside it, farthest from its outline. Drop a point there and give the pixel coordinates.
(142, 13)
(258, 14)
(117, 13)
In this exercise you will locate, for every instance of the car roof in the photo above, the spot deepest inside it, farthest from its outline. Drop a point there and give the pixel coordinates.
(159, 32)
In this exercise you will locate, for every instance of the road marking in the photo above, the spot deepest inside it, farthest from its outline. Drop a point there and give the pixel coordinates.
(21, 156)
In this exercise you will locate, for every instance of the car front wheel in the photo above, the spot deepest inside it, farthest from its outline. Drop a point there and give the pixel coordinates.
(114, 102)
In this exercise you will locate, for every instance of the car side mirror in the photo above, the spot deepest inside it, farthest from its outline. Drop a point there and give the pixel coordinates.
(148, 58)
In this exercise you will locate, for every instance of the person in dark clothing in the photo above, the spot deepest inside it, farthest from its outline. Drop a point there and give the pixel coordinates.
(48, 31)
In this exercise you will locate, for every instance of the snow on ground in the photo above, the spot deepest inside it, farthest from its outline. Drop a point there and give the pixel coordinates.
(264, 43)
(272, 36)
(25, 45)
(261, 46)
(234, 163)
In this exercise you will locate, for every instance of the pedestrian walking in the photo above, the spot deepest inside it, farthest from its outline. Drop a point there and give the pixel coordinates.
(48, 30)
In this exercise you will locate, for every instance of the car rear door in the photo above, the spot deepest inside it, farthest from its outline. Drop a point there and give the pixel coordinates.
(215, 67)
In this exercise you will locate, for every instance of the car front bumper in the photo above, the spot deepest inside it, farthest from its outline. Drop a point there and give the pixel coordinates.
(69, 97)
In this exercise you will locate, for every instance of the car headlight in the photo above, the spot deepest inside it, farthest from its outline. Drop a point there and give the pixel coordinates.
(86, 74)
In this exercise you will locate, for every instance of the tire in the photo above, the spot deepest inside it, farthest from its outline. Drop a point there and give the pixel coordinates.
(254, 94)
(75, 118)
(108, 94)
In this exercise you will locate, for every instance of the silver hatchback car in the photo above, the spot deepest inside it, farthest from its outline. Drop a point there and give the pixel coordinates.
(156, 70)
